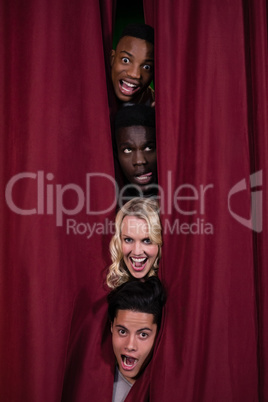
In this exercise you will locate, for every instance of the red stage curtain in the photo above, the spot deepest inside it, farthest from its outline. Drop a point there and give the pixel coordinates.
(54, 120)
(211, 107)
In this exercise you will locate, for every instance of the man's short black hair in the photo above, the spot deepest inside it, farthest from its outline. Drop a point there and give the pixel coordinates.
(146, 296)
(141, 31)
(136, 115)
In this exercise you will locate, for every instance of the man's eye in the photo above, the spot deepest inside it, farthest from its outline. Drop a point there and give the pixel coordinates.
(148, 148)
(147, 67)
(127, 150)
(125, 60)
(122, 332)
(143, 335)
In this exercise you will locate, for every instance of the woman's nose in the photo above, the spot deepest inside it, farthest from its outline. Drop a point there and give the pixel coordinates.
(137, 248)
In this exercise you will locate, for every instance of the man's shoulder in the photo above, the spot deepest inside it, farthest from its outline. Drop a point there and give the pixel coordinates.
(121, 387)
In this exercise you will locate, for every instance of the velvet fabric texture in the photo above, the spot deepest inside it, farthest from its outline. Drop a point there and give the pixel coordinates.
(58, 200)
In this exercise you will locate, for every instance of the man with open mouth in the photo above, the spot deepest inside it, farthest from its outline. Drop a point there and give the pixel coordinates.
(132, 65)
(136, 149)
(135, 311)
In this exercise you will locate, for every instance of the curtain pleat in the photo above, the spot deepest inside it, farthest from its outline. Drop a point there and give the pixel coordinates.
(211, 108)
(56, 147)
(58, 200)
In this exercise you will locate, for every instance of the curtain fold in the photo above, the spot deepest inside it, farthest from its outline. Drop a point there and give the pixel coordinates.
(55, 134)
(255, 17)
(58, 200)
(211, 108)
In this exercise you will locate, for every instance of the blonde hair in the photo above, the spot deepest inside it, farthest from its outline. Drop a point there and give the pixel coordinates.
(143, 208)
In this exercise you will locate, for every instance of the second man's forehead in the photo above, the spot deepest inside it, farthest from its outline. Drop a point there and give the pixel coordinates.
(135, 134)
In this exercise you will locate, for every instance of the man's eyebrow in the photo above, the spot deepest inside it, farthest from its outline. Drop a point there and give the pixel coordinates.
(129, 54)
(121, 326)
(145, 329)
(124, 144)
(139, 330)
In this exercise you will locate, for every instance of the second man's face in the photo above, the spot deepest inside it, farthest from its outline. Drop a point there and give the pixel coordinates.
(136, 149)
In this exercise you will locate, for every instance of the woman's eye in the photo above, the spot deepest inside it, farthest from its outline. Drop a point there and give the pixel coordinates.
(127, 151)
(127, 240)
(122, 332)
(147, 241)
(125, 60)
(147, 67)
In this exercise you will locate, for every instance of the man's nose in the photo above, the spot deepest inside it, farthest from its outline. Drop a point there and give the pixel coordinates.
(131, 344)
(134, 71)
(138, 158)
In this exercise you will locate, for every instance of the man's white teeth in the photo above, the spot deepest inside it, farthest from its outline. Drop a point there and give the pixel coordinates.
(129, 84)
(142, 178)
(139, 259)
(125, 359)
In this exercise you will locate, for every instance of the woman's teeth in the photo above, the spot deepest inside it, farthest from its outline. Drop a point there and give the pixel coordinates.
(138, 264)
(138, 259)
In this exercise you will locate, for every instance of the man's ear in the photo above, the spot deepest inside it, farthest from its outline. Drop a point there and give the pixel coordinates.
(112, 327)
(112, 54)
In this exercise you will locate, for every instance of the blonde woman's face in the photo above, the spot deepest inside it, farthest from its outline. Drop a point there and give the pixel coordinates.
(139, 252)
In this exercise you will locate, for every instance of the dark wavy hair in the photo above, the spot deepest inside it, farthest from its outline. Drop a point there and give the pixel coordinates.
(147, 296)
(136, 115)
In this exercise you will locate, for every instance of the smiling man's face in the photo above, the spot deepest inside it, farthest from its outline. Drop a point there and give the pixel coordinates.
(136, 150)
(132, 65)
(133, 336)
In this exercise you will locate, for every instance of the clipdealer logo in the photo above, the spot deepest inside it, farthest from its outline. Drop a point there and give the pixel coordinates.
(255, 221)
(50, 196)
(50, 201)
(47, 190)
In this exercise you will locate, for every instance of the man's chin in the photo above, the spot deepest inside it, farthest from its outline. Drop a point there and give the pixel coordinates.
(139, 191)
(128, 98)
(149, 190)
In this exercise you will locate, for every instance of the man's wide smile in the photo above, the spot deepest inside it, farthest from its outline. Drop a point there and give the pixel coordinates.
(128, 363)
(128, 88)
